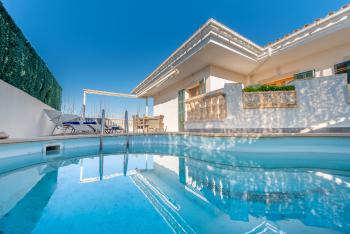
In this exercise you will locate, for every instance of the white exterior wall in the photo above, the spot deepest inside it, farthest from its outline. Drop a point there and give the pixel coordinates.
(219, 77)
(166, 102)
(323, 63)
(21, 115)
(321, 103)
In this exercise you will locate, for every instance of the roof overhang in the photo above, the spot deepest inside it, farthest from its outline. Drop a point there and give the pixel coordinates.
(213, 43)
(216, 44)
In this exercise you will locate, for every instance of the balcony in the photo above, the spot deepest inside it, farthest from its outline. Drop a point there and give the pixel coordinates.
(206, 107)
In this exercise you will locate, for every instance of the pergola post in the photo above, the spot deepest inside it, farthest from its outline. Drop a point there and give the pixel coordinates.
(84, 105)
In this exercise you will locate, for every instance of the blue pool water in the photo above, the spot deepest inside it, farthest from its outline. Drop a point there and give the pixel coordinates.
(167, 184)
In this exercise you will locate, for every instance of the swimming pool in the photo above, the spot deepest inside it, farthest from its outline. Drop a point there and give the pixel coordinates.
(176, 183)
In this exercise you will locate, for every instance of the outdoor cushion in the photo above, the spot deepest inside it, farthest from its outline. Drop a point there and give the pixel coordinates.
(116, 128)
(90, 122)
(72, 122)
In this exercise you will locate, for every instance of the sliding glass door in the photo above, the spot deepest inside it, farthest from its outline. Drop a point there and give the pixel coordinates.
(181, 110)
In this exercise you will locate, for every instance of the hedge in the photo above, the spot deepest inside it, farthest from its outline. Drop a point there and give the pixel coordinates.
(22, 67)
(266, 88)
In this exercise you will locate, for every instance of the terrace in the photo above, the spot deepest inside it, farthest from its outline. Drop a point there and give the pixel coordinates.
(233, 137)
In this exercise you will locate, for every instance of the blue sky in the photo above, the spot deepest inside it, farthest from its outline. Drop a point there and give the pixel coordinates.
(112, 45)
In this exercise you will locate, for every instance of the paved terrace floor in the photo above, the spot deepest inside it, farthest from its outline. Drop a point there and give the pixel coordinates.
(252, 135)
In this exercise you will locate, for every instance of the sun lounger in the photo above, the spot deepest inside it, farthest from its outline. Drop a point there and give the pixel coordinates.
(77, 127)
(113, 129)
(3, 135)
(68, 122)
(94, 125)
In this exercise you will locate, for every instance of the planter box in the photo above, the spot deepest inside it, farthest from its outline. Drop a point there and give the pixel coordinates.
(271, 99)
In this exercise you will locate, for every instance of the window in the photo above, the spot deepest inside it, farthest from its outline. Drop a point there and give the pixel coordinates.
(192, 92)
(305, 75)
(342, 68)
(197, 90)
(202, 89)
(181, 111)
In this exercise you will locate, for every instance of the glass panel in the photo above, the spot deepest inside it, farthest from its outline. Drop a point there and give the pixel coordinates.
(193, 92)
(202, 88)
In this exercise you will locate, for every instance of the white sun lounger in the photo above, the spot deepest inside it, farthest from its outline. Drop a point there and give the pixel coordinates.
(67, 121)
(3, 135)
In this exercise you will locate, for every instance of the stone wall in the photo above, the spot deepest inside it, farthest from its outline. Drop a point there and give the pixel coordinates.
(320, 103)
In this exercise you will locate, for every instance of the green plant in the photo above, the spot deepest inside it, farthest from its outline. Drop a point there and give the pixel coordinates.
(22, 67)
(266, 88)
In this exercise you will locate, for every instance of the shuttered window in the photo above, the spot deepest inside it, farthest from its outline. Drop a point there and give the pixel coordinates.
(342, 68)
(202, 88)
(305, 75)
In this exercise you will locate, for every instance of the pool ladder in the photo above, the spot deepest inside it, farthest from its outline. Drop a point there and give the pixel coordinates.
(126, 129)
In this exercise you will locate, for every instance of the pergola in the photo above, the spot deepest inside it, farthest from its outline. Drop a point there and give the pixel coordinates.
(104, 93)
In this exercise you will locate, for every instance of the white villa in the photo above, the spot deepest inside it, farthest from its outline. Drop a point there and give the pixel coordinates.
(199, 86)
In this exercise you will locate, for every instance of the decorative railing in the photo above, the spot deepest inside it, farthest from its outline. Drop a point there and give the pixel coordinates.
(273, 99)
(210, 106)
(318, 26)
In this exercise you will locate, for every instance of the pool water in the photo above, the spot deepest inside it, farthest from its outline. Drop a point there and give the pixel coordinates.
(176, 189)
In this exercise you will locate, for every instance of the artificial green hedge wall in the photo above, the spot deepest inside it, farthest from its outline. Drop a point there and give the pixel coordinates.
(22, 67)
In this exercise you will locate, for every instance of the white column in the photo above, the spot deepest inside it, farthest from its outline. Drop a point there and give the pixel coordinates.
(84, 105)
(146, 106)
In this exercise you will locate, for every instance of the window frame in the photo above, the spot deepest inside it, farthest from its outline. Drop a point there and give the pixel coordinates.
(344, 70)
(304, 75)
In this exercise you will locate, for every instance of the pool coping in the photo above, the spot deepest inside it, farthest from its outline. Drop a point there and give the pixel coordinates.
(205, 134)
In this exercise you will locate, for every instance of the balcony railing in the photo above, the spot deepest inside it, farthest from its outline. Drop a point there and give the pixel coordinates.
(210, 106)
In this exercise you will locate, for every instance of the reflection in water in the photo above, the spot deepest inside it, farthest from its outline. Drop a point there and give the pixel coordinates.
(313, 199)
(191, 194)
(30, 207)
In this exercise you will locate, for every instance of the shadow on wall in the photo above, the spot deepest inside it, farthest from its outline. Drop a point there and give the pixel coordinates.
(321, 103)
